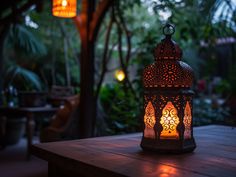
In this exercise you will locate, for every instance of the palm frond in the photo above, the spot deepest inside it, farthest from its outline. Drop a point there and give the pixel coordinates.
(20, 37)
(24, 78)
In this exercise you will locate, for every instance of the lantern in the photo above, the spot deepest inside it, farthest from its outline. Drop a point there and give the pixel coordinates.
(64, 8)
(168, 100)
(120, 75)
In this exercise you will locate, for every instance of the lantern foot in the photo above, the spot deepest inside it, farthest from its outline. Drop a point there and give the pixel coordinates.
(168, 146)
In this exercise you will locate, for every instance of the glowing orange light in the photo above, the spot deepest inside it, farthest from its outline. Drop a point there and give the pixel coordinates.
(187, 121)
(120, 75)
(169, 121)
(64, 8)
(150, 121)
(166, 171)
(64, 3)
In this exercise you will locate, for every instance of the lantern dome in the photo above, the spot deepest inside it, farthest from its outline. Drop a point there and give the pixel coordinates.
(168, 70)
(167, 50)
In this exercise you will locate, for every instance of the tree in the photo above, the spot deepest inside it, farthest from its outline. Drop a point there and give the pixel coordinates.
(6, 19)
(88, 23)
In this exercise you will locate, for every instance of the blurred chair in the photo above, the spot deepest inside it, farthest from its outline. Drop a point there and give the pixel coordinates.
(61, 121)
(59, 94)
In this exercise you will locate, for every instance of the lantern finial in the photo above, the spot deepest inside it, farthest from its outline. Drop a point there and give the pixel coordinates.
(167, 49)
(168, 29)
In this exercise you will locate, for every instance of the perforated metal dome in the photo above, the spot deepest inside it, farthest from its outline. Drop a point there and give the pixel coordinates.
(167, 49)
(168, 70)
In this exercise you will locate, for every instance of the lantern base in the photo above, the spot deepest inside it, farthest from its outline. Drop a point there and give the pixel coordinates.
(168, 146)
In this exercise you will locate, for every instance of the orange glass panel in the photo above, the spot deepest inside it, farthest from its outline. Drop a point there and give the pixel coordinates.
(150, 121)
(64, 8)
(187, 121)
(169, 121)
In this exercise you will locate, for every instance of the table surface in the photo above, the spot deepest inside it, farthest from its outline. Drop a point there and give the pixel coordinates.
(215, 156)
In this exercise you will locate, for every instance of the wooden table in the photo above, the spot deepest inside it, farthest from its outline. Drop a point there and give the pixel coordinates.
(215, 156)
(28, 112)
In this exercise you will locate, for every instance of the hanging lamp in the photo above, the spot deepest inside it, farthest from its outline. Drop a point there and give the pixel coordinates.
(64, 8)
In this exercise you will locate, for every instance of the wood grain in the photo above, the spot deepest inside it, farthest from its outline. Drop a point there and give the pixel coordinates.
(215, 156)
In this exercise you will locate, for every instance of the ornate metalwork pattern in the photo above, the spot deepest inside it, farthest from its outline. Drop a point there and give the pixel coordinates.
(174, 99)
(169, 122)
(167, 50)
(168, 73)
(149, 98)
(149, 75)
(187, 73)
(150, 121)
(187, 121)
(168, 70)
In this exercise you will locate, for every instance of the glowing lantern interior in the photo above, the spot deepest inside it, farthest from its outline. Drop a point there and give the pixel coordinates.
(150, 121)
(169, 121)
(187, 121)
(64, 8)
(120, 75)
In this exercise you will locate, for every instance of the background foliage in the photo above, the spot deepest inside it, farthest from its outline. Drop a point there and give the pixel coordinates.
(42, 51)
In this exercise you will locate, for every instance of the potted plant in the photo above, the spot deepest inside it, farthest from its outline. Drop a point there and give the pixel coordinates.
(20, 46)
(30, 94)
(28, 85)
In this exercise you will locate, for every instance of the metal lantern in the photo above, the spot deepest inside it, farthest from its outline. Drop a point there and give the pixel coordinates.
(168, 100)
(64, 8)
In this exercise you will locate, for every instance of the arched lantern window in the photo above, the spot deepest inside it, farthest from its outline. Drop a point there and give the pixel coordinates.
(64, 8)
(168, 99)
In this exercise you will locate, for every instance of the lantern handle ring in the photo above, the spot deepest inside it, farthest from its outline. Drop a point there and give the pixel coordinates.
(168, 29)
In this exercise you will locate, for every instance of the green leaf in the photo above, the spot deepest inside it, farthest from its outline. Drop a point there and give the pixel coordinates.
(22, 78)
(21, 38)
